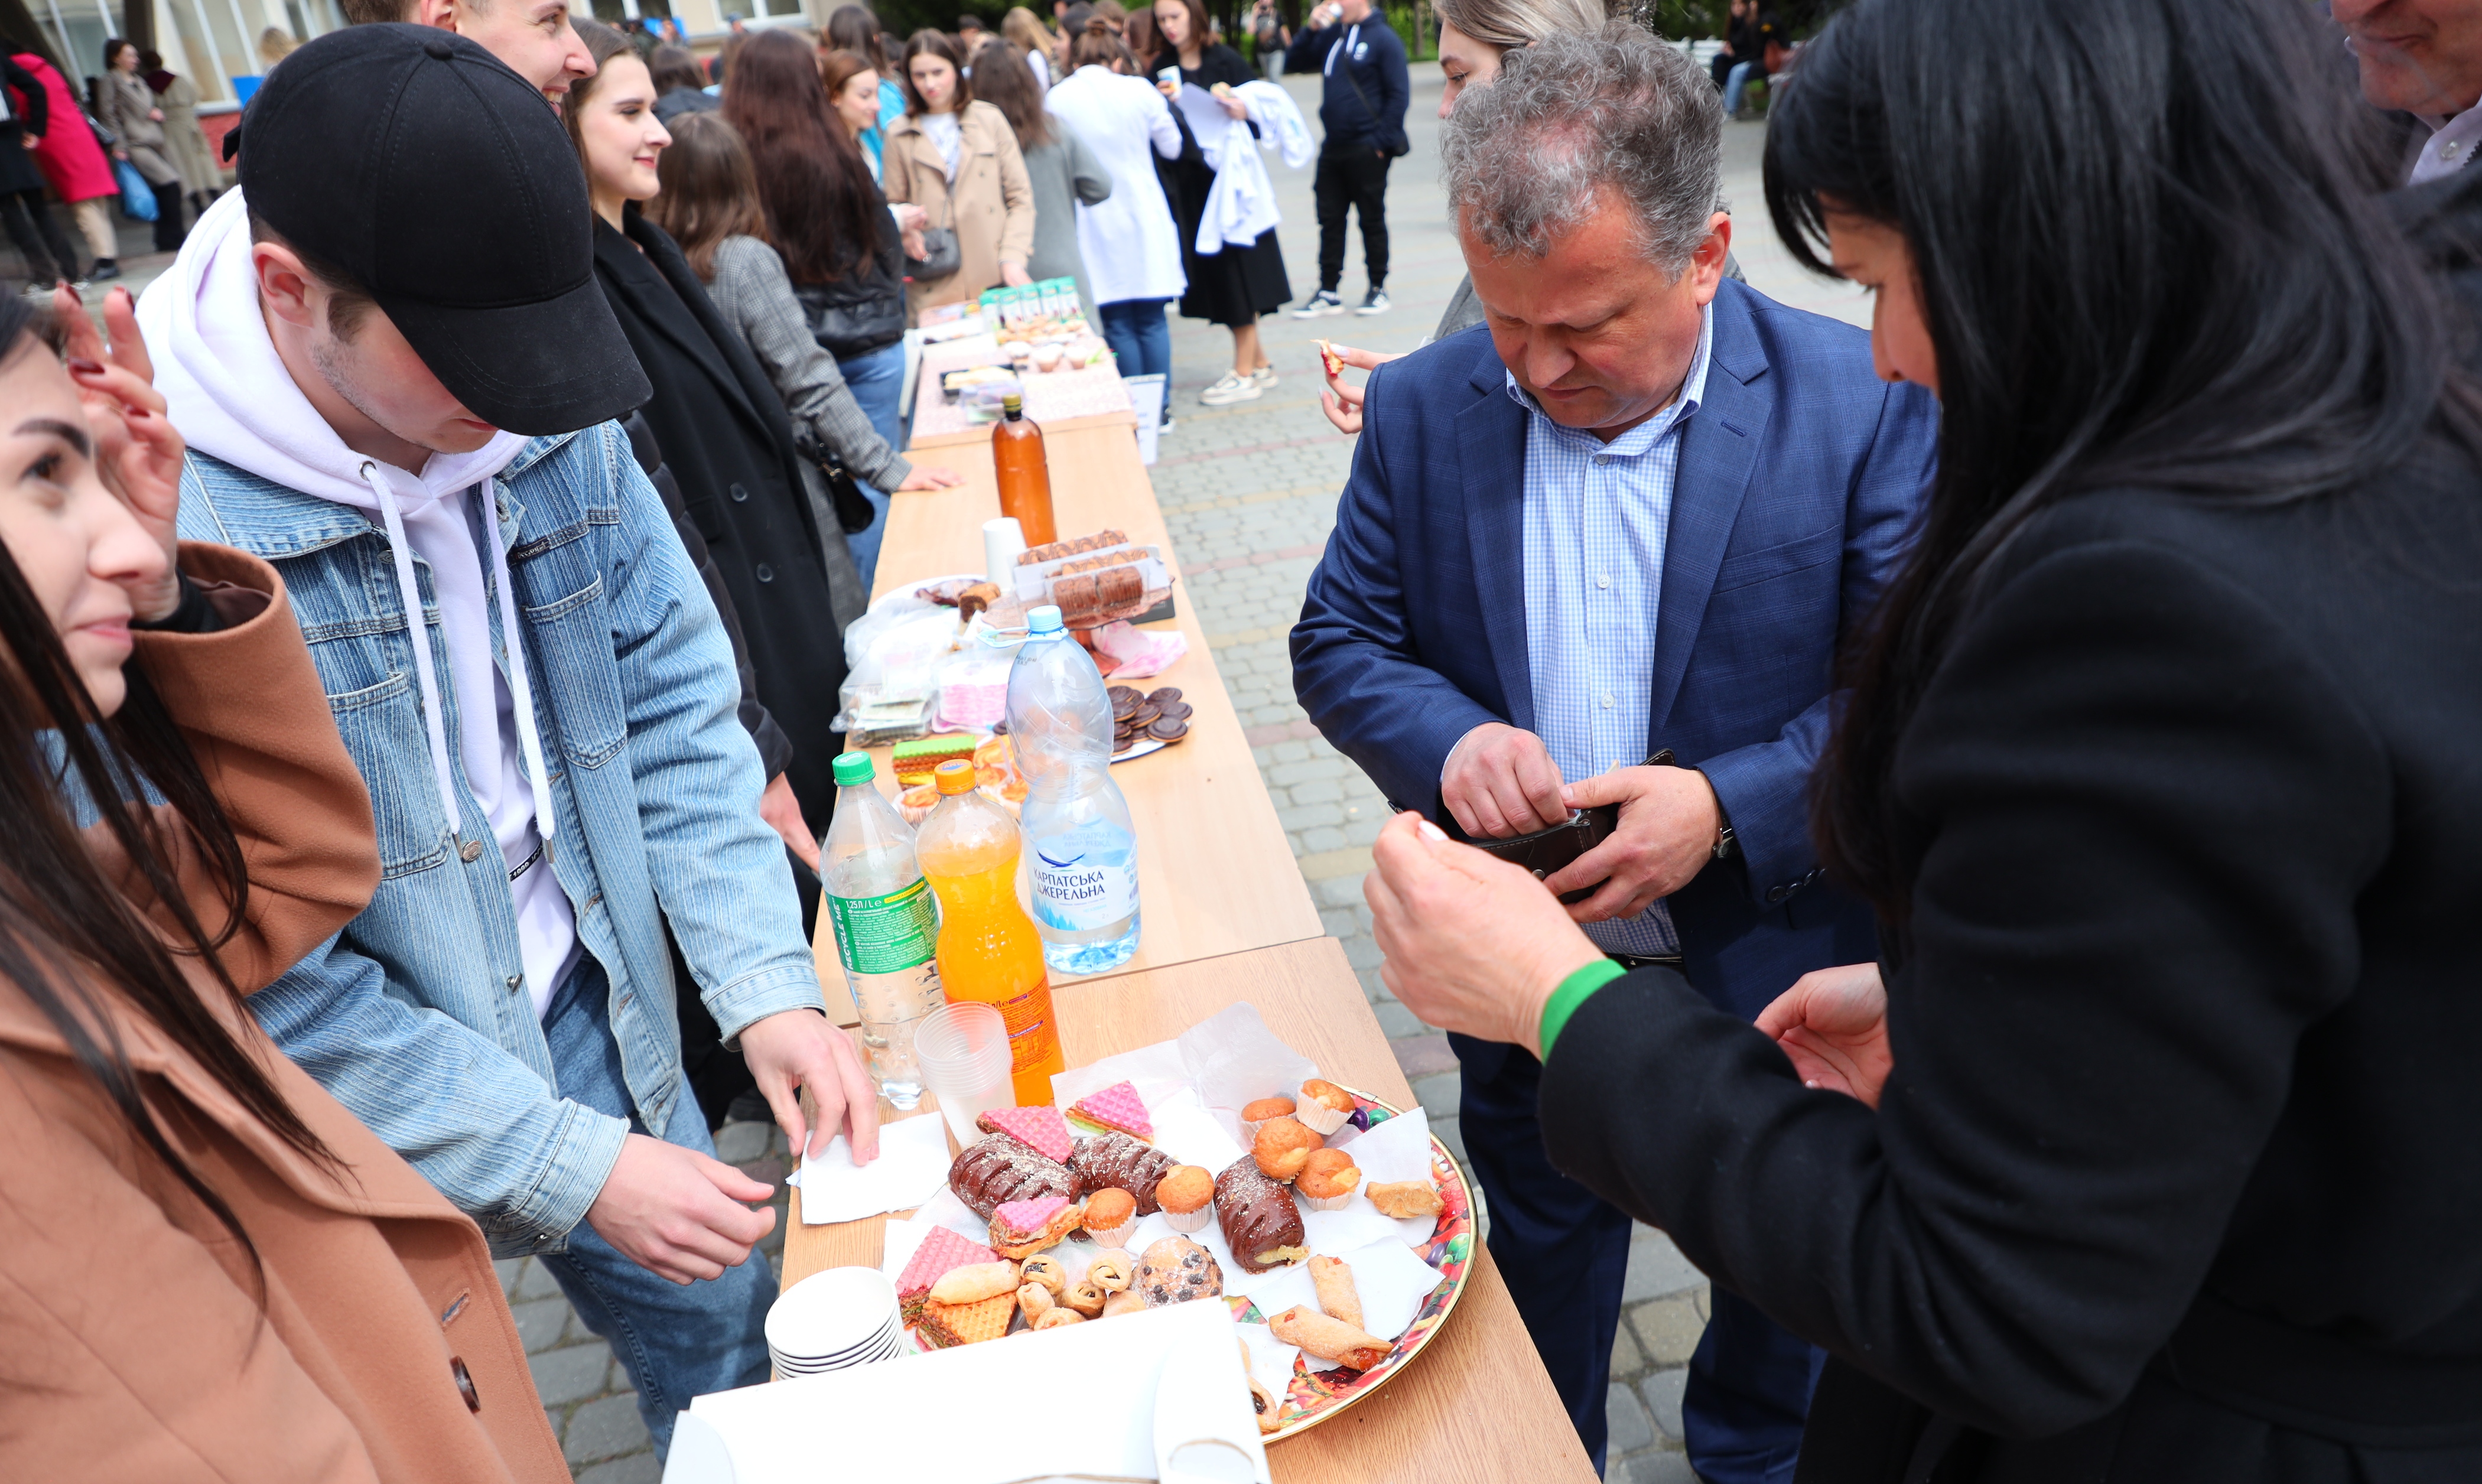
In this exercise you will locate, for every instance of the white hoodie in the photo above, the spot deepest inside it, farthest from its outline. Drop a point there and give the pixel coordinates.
(232, 398)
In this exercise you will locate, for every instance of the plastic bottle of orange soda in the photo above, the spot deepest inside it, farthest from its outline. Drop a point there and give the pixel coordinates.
(988, 949)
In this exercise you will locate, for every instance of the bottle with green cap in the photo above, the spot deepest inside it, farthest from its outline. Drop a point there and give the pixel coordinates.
(886, 924)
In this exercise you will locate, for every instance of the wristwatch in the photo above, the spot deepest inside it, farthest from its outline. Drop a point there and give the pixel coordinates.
(1726, 845)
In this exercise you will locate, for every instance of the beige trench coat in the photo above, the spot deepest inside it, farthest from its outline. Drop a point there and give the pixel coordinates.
(990, 206)
(185, 143)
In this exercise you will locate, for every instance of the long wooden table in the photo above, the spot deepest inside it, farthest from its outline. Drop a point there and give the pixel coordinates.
(1474, 1405)
(1215, 873)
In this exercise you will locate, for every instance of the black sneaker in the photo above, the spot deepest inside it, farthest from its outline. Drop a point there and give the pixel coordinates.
(1325, 302)
(1374, 302)
(104, 269)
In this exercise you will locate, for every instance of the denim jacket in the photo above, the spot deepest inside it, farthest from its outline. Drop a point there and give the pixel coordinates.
(416, 1015)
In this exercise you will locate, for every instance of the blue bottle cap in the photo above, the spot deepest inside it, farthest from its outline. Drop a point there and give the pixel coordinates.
(1045, 619)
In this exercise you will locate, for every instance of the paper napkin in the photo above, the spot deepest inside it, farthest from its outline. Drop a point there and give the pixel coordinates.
(913, 1164)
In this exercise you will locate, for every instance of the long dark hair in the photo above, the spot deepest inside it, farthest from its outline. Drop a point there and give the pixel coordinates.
(822, 212)
(62, 920)
(1006, 84)
(934, 44)
(2150, 253)
(709, 190)
(855, 29)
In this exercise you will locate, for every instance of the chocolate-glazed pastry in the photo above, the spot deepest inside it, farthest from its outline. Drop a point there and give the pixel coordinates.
(995, 1171)
(1262, 1223)
(1110, 1160)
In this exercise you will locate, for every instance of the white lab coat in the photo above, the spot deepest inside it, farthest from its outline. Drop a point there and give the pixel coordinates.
(1241, 204)
(1130, 241)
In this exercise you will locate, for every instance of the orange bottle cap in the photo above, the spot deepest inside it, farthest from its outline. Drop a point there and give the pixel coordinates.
(955, 776)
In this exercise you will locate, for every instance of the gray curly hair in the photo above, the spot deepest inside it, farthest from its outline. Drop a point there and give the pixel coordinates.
(1573, 115)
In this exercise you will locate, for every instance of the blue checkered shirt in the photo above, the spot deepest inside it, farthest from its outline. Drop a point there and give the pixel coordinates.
(1597, 517)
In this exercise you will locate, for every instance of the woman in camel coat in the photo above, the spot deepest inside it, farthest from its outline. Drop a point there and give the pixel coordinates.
(214, 1271)
(956, 158)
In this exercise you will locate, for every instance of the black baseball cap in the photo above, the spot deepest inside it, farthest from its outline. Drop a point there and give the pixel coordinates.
(440, 181)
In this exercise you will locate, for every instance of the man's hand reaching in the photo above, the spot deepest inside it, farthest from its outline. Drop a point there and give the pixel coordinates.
(1669, 819)
(797, 1051)
(678, 1213)
(1500, 782)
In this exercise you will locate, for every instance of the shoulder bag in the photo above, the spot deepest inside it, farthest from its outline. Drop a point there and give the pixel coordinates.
(943, 256)
(853, 508)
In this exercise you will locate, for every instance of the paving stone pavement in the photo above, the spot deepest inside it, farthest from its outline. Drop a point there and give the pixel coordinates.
(1249, 493)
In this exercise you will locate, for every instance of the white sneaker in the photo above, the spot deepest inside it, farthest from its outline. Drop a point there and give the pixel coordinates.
(1375, 304)
(1325, 302)
(1264, 378)
(1227, 390)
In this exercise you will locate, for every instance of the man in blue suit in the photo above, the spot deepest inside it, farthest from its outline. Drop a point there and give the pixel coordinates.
(1632, 513)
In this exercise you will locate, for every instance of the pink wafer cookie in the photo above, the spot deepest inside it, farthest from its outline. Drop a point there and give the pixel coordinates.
(1117, 1106)
(1040, 1130)
(941, 1253)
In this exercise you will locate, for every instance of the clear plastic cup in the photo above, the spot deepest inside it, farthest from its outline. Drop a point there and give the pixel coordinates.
(965, 1054)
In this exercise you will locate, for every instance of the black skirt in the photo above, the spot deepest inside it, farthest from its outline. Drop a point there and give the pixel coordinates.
(1237, 286)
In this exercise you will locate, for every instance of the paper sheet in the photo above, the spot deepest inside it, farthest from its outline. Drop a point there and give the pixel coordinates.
(912, 1163)
(1271, 1360)
(1232, 1059)
(1397, 1150)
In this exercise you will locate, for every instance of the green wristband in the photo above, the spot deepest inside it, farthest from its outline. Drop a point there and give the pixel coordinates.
(1574, 992)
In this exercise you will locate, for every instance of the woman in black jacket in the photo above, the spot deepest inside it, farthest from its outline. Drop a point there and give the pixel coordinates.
(1237, 286)
(2158, 1160)
(718, 423)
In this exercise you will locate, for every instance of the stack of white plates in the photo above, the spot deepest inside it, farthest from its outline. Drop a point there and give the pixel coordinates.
(834, 1320)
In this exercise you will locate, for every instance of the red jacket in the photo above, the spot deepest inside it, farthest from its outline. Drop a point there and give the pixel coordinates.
(69, 156)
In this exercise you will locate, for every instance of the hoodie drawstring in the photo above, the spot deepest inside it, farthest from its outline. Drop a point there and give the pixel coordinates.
(409, 594)
(520, 689)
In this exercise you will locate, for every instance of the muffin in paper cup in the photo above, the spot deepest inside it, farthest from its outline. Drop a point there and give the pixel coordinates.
(1317, 1106)
(1116, 1236)
(1188, 1185)
(1328, 1180)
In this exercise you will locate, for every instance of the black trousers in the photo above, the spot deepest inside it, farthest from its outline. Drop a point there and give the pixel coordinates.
(38, 235)
(1349, 180)
(167, 216)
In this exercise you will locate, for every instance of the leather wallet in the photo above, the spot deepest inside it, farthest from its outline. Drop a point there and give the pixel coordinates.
(1546, 851)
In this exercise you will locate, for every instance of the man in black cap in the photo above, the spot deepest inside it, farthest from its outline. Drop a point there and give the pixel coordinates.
(381, 361)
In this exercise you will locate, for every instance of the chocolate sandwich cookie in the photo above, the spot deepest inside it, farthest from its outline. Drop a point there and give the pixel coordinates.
(1173, 710)
(1165, 693)
(1121, 693)
(1167, 730)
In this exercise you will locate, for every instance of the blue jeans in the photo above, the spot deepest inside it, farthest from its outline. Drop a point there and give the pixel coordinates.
(877, 381)
(1738, 79)
(675, 1342)
(1140, 339)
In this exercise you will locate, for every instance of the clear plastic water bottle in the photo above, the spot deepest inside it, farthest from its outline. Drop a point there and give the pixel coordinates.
(1085, 865)
(886, 923)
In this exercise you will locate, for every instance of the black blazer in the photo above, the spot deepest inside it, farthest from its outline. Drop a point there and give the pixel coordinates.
(2178, 1176)
(725, 435)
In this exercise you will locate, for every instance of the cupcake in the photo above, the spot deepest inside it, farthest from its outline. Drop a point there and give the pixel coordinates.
(1282, 1146)
(1324, 1106)
(1260, 1112)
(1187, 1195)
(1328, 1180)
(1110, 1214)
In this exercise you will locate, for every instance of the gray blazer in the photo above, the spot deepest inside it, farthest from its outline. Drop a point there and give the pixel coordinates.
(754, 296)
(1064, 172)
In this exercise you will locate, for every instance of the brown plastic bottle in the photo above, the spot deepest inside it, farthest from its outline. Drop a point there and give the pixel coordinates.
(1024, 475)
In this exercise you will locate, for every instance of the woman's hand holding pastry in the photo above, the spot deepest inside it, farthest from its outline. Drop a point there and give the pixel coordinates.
(136, 449)
(1473, 945)
(1833, 1023)
(1341, 400)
